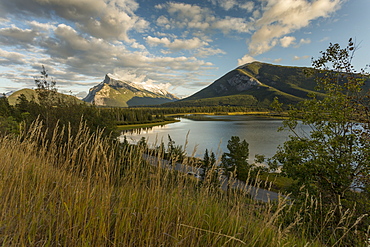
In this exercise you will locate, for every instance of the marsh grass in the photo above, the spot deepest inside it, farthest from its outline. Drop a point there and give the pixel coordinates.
(91, 191)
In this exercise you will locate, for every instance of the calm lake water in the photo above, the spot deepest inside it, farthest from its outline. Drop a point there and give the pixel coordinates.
(260, 132)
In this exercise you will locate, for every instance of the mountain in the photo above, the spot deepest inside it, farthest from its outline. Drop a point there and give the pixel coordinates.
(255, 85)
(31, 94)
(118, 93)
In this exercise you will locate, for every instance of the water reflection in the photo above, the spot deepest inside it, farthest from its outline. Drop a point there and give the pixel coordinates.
(260, 132)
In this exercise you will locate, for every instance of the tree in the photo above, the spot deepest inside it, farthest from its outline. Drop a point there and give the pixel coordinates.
(236, 160)
(46, 96)
(5, 108)
(332, 162)
(45, 88)
(142, 143)
(205, 163)
(175, 152)
(208, 162)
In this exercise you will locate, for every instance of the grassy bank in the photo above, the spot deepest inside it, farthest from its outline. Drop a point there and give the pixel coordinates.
(265, 113)
(91, 192)
(147, 125)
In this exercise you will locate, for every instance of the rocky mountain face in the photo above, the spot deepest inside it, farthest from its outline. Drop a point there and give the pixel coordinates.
(118, 93)
(255, 84)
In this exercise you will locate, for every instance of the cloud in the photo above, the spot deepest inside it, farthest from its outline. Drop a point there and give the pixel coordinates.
(324, 39)
(229, 4)
(206, 52)
(249, 6)
(177, 44)
(286, 41)
(186, 44)
(300, 58)
(102, 19)
(194, 17)
(245, 59)
(13, 36)
(226, 4)
(282, 17)
(50, 26)
(136, 77)
(11, 58)
(228, 24)
(200, 47)
(74, 58)
(157, 41)
(304, 42)
(137, 45)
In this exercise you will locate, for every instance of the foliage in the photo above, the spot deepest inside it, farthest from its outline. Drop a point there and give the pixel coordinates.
(209, 171)
(75, 195)
(175, 152)
(236, 160)
(46, 89)
(8, 123)
(332, 162)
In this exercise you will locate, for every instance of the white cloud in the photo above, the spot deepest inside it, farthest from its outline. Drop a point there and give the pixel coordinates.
(177, 44)
(186, 44)
(256, 14)
(324, 39)
(300, 58)
(194, 17)
(137, 45)
(226, 4)
(281, 17)
(245, 59)
(286, 41)
(157, 41)
(228, 24)
(11, 58)
(42, 26)
(304, 41)
(140, 79)
(206, 52)
(15, 36)
(229, 4)
(102, 19)
(249, 6)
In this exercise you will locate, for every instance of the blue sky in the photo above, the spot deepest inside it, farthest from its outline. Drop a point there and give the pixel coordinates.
(182, 46)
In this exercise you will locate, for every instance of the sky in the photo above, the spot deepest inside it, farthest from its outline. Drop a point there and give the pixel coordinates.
(182, 46)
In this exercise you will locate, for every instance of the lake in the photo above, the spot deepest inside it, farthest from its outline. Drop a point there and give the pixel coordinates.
(260, 132)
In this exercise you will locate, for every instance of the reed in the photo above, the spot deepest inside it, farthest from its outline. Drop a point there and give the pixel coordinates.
(87, 190)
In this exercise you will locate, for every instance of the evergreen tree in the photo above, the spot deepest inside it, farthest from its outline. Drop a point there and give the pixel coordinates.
(236, 160)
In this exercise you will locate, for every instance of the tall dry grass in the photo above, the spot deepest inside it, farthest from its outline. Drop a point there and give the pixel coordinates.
(89, 191)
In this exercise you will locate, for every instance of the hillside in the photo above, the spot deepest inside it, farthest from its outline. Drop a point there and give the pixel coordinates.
(118, 93)
(255, 84)
(31, 94)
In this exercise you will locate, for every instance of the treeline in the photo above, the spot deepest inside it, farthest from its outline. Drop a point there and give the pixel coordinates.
(24, 112)
(246, 102)
(52, 110)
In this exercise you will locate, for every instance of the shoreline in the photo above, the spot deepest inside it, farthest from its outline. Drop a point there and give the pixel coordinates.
(149, 125)
(144, 125)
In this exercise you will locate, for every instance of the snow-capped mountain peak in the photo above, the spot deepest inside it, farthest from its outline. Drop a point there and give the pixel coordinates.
(114, 91)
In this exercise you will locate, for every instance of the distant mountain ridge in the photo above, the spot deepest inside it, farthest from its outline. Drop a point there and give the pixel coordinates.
(31, 94)
(255, 84)
(118, 93)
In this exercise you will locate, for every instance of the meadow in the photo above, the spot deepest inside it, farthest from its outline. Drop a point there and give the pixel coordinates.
(90, 190)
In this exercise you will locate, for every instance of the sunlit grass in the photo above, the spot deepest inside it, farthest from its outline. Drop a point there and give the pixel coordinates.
(90, 191)
(140, 126)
